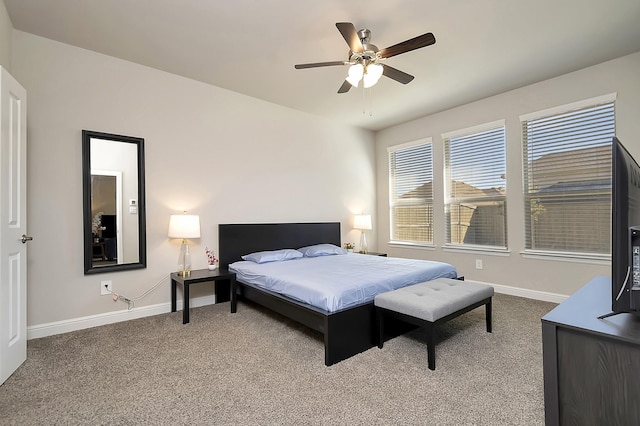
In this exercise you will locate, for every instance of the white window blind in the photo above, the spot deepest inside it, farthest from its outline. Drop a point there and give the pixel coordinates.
(475, 171)
(567, 180)
(411, 192)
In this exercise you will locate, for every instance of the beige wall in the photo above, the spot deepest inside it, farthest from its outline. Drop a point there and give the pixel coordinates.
(555, 276)
(232, 158)
(6, 37)
(224, 156)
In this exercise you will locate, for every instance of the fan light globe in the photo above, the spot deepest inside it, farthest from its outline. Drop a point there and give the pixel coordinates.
(373, 74)
(355, 74)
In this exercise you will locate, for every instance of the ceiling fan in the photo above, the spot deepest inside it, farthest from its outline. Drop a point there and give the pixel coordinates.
(365, 58)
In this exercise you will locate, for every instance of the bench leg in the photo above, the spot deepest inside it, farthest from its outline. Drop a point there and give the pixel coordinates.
(431, 347)
(380, 322)
(488, 315)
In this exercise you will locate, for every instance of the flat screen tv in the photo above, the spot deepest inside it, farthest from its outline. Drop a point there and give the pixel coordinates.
(625, 232)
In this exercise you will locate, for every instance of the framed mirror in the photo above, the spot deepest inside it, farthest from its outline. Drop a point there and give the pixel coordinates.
(113, 202)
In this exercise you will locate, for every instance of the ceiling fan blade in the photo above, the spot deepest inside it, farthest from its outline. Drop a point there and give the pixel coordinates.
(318, 64)
(345, 87)
(407, 46)
(350, 35)
(396, 74)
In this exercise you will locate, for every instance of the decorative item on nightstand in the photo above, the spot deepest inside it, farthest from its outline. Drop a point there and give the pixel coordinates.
(96, 227)
(363, 223)
(212, 260)
(349, 247)
(184, 226)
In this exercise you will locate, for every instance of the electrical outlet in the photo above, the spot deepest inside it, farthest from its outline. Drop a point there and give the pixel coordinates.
(478, 263)
(105, 288)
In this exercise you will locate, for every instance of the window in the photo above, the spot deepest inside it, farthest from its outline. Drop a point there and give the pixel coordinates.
(475, 186)
(411, 192)
(567, 178)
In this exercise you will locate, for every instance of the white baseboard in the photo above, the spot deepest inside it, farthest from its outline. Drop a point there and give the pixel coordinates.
(59, 327)
(526, 293)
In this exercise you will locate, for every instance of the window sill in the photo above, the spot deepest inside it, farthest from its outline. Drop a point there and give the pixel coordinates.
(406, 244)
(591, 258)
(491, 251)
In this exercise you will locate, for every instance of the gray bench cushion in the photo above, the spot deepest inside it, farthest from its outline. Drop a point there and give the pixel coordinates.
(435, 299)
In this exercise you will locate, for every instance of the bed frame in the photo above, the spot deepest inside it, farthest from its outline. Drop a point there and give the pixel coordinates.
(346, 332)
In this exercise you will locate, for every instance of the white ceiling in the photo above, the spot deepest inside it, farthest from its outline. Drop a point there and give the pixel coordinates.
(483, 47)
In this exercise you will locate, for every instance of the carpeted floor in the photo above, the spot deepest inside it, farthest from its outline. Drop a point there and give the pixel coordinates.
(255, 367)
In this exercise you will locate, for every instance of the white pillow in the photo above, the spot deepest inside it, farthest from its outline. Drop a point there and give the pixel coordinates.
(272, 255)
(321, 250)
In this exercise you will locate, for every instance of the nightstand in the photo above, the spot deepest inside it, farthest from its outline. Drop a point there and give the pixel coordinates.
(224, 290)
(375, 253)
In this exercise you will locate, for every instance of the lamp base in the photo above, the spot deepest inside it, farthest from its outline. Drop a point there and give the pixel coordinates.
(184, 260)
(363, 243)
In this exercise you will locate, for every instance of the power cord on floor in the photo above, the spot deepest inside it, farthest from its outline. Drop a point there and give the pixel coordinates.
(130, 301)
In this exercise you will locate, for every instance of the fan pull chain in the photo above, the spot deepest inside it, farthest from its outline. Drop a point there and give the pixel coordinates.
(364, 101)
(371, 102)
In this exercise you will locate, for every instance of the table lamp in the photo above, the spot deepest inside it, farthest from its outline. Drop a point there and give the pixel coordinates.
(184, 226)
(363, 223)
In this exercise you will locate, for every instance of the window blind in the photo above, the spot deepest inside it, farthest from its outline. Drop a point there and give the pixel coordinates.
(411, 192)
(475, 205)
(567, 180)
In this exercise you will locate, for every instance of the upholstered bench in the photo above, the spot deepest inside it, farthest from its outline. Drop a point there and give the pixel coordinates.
(431, 303)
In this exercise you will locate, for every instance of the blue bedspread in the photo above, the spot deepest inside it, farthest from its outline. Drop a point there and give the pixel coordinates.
(336, 282)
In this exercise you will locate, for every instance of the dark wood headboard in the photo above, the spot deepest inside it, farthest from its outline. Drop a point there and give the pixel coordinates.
(235, 240)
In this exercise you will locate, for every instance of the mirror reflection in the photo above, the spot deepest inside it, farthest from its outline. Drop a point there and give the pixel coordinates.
(113, 167)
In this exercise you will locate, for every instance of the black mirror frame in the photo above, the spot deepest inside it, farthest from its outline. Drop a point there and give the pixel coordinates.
(87, 135)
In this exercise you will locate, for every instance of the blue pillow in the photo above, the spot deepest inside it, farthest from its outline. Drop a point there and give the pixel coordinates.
(321, 250)
(272, 255)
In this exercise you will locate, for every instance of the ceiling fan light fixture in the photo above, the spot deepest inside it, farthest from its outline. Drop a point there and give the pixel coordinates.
(355, 74)
(363, 55)
(372, 75)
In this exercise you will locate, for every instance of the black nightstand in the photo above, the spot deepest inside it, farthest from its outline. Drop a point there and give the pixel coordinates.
(375, 253)
(225, 287)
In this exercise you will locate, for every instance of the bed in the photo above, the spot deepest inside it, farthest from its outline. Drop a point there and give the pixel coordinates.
(348, 329)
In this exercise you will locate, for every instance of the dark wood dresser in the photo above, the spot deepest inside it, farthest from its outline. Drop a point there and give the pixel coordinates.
(591, 366)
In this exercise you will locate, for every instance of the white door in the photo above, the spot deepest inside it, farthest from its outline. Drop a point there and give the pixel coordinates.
(13, 225)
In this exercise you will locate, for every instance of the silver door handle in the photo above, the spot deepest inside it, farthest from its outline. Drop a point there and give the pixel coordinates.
(25, 239)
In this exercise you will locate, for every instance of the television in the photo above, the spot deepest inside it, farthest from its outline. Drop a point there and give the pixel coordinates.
(625, 231)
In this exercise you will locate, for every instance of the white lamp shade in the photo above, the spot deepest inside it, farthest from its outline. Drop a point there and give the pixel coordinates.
(362, 221)
(184, 226)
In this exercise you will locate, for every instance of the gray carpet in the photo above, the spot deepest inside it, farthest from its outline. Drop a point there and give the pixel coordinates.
(255, 367)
